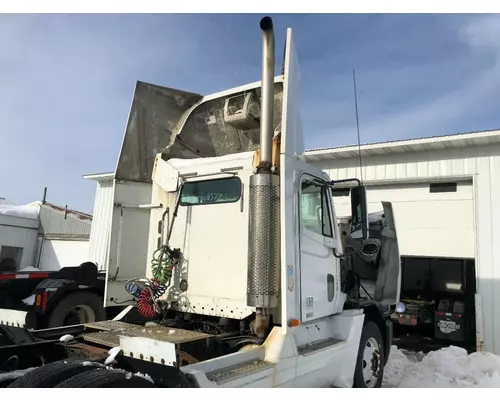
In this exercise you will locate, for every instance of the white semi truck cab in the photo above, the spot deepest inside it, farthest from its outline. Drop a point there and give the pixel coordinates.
(226, 241)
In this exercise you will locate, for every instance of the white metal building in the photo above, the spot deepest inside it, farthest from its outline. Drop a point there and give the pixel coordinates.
(18, 239)
(63, 239)
(446, 196)
(102, 216)
(42, 235)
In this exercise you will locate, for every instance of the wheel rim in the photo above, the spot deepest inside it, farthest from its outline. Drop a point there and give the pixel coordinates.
(371, 362)
(81, 314)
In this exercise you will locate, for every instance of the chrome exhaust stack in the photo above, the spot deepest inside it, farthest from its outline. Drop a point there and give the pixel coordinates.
(264, 218)
(267, 94)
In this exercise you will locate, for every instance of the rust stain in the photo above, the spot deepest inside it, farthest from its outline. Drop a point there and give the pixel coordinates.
(77, 214)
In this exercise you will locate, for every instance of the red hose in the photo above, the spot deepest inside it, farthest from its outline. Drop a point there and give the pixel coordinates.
(145, 304)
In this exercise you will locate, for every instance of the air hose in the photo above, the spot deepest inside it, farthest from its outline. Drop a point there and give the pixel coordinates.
(163, 262)
(147, 292)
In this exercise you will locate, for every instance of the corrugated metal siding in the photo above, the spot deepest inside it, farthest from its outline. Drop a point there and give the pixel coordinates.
(101, 224)
(54, 221)
(483, 163)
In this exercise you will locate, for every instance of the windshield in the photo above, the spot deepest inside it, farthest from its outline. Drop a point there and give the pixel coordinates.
(214, 191)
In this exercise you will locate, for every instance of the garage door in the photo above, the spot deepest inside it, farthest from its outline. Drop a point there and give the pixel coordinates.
(432, 219)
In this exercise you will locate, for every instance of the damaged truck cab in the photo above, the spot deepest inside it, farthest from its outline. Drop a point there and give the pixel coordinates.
(225, 237)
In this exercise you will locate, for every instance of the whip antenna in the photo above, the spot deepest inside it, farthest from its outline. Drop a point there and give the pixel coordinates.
(357, 124)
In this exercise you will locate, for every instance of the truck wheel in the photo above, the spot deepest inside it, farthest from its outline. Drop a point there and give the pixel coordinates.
(54, 373)
(77, 308)
(370, 362)
(106, 378)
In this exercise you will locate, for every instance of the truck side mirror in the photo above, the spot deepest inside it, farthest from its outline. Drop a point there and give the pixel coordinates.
(359, 213)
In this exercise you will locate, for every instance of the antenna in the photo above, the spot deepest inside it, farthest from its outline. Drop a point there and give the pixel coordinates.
(357, 124)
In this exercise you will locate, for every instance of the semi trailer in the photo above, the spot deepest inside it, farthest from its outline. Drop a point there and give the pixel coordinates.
(225, 239)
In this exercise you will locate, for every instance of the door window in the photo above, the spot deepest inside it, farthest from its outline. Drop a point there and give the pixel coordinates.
(314, 208)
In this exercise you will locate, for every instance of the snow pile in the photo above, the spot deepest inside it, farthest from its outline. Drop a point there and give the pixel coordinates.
(112, 355)
(450, 367)
(144, 376)
(7, 376)
(66, 338)
(26, 211)
(29, 269)
(29, 301)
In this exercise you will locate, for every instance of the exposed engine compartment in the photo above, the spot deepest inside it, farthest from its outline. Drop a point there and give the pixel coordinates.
(362, 262)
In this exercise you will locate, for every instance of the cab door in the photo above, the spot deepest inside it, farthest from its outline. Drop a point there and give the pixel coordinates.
(318, 242)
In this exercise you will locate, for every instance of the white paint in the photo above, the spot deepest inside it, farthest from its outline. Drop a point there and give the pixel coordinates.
(331, 366)
(292, 140)
(128, 240)
(219, 258)
(317, 260)
(12, 317)
(165, 175)
(57, 254)
(149, 348)
(479, 323)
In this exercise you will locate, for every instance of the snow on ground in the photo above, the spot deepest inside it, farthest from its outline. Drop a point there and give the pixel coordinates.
(449, 367)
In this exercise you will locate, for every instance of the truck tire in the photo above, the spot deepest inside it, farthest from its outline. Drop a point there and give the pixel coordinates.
(77, 308)
(54, 373)
(369, 371)
(106, 378)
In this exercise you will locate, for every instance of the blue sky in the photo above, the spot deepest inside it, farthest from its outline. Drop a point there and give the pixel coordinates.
(67, 80)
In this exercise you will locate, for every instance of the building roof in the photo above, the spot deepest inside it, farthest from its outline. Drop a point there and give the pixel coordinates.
(459, 140)
(105, 176)
(56, 220)
(68, 211)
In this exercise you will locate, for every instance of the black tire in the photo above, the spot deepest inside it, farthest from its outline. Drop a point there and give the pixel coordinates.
(106, 378)
(370, 336)
(52, 374)
(88, 302)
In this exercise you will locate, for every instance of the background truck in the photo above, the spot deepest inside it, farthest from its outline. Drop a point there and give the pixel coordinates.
(227, 241)
(72, 295)
(437, 295)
